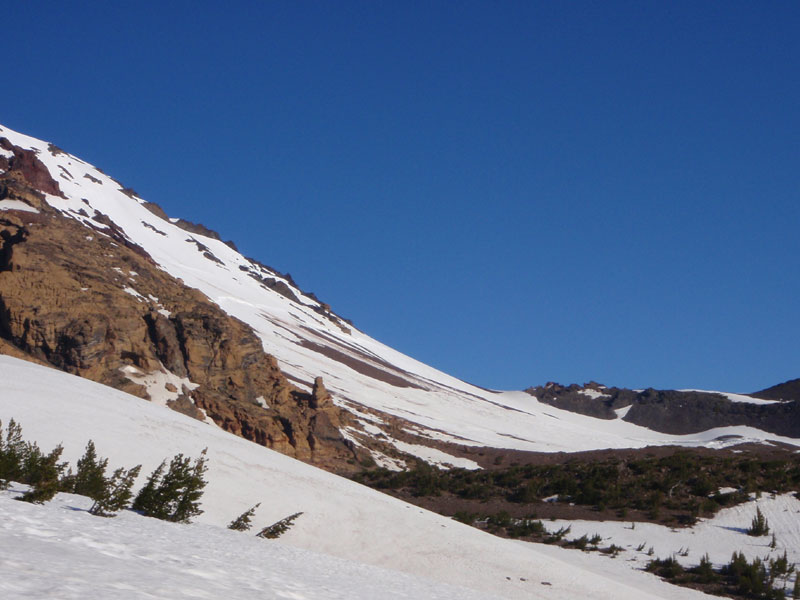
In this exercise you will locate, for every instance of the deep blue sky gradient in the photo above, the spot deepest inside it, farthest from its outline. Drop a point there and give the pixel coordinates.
(513, 192)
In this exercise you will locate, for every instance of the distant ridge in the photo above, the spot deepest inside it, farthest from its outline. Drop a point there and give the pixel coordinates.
(788, 390)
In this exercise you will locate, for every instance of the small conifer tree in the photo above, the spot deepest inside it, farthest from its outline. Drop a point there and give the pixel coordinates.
(171, 487)
(116, 492)
(242, 522)
(90, 477)
(276, 530)
(42, 472)
(12, 453)
(759, 525)
(705, 570)
(67, 481)
(780, 568)
(188, 503)
(174, 495)
(146, 498)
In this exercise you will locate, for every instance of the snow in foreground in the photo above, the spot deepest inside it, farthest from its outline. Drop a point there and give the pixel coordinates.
(60, 551)
(49, 546)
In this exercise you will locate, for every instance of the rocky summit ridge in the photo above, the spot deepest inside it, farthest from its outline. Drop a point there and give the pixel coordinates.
(680, 412)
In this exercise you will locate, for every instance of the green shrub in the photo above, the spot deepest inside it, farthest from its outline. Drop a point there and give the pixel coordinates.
(668, 568)
(705, 571)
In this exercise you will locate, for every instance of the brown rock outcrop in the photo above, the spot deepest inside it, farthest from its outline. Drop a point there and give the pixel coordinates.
(86, 304)
(26, 163)
(319, 395)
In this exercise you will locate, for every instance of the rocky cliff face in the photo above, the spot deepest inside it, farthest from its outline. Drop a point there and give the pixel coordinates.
(92, 303)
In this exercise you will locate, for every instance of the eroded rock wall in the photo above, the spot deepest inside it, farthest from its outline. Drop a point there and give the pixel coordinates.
(82, 300)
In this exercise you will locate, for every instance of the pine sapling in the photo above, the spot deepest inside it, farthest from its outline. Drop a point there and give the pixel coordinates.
(90, 477)
(170, 490)
(242, 522)
(705, 570)
(174, 495)
(42, 473)
(780, 568)
(146, 499)
(116, 492)
(188, 504)
(759, 525)
(276, 530)
(12, 453)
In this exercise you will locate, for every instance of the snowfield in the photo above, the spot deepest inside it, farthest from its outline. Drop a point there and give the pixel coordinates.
(136, 557)
(350, 541)
(718, 537)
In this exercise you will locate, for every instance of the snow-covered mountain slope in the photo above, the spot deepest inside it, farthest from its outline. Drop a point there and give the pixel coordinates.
(308, 340)
(133, 557)
(341, 519)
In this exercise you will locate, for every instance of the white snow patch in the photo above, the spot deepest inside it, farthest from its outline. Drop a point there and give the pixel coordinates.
(156, 383)
(387, 462)
(736, 397)
(206, 418)
(435, 456)
(594, 394)
(17, 205)
(363, 416)
(621, 412)
(373, 430)
(134, 293)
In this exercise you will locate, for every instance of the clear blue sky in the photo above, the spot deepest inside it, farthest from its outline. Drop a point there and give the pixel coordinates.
(513, 192)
